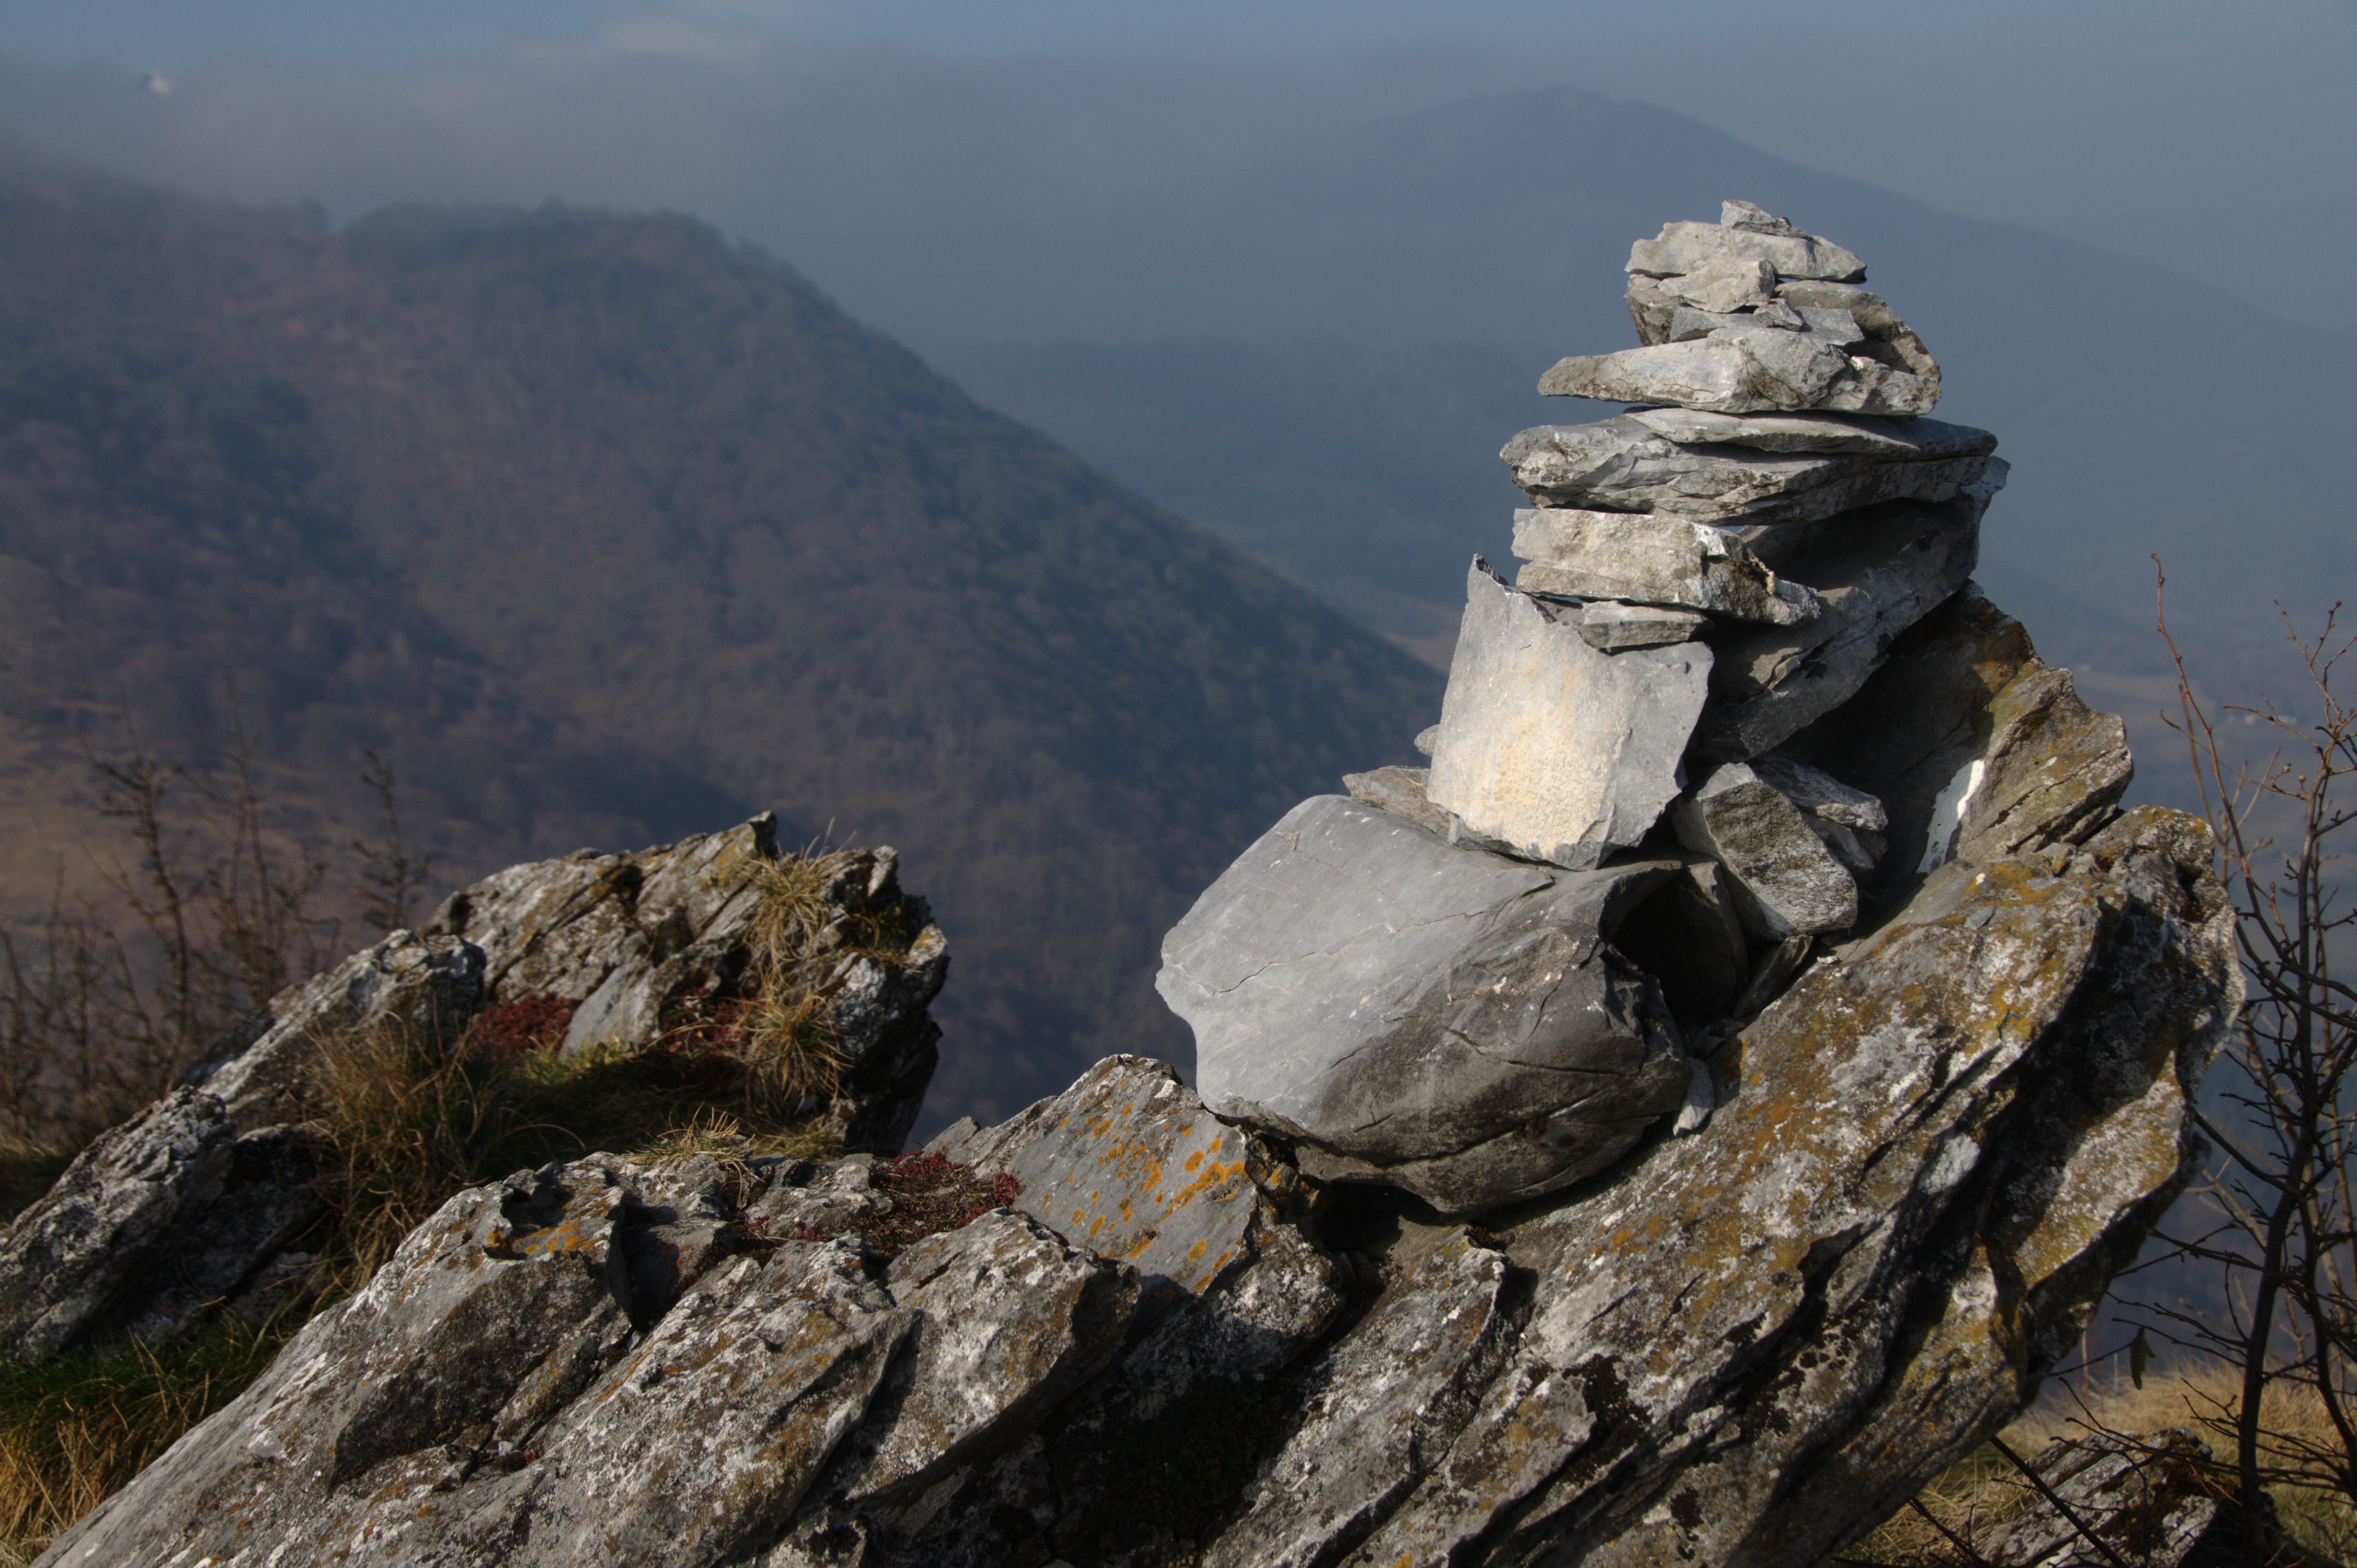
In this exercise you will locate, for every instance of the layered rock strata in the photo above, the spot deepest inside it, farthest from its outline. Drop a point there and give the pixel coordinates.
(1687, 669)
(1177, 1346)
(203, 1199)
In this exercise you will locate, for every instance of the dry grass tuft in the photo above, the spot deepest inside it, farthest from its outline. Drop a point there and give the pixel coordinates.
(778, 1031)
(405, 1122)
(74, 1430)
(1977, 1496)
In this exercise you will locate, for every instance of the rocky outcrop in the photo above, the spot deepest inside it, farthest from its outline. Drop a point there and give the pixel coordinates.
(1689, 668)
(204, 1199)
(1670, 1129)
(1174, 1346)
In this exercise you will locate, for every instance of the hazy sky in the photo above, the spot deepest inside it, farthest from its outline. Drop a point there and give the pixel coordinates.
(2214, 138)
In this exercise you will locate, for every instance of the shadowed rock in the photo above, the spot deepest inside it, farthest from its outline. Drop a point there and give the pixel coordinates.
(1787, 879)
(1976, 748)
(1885, 572)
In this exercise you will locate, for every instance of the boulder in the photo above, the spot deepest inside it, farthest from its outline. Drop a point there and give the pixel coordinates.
(1423, 1015)
(1886, 571)
(1625, 465)
(1553, 746)
(1787, 879)
(1976, 748)
(1652, 560)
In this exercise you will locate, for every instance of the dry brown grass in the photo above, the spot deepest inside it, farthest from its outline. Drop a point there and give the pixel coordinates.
(781, 1031)
(74, 1429)
(405, 1121)
(1975, 1498)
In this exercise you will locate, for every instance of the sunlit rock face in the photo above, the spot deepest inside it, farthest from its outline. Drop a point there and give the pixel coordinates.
(1740, 1346)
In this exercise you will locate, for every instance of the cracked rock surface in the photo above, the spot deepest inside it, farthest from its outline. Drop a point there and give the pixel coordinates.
(196, 1202)
(1179, 1347)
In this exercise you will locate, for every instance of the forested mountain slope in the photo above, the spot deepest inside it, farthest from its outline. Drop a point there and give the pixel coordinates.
(609, 531)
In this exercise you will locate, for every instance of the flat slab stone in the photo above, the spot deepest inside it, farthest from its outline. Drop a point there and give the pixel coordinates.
(1623, 465)
(1646, 559)
(1400, 791)
(1899, 440)
(1879, 577)
(1559, 749)
(1686, 248)
(1445, 1019)
(1744, 372)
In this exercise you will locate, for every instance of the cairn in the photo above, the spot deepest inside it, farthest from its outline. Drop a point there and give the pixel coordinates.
(1648, 800)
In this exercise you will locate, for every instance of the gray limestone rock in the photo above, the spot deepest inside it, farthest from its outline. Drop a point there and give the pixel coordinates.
(1546, 743)
(1834, 326)
(1725, 282)
(1190, 1213)
(1892, 439)
(65, 1260)
(1787, 882)
(1010, 1319)
(1651, 560)
(150, 1230)
(1738, 371)
(1887, 338)
(1690, 938)
(1682, 249)
(1401, 1387)
(1851, 823)
(1446, 1017)
(1427, 738)
(1400, 791)
(1977, 747)
(2150, 1500)
(1611, 625)
(1887, 570)
(1748, 1345)
(1622, 464)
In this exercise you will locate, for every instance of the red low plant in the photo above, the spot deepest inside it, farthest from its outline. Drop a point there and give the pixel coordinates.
(517, 1028)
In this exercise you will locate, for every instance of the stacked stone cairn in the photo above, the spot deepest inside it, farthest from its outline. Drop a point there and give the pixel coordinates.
(1646, 808)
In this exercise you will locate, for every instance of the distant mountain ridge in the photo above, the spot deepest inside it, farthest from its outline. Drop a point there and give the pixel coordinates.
(609, 531)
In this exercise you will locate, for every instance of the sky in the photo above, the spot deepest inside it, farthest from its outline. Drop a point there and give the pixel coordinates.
(2213, 138)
